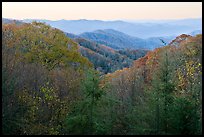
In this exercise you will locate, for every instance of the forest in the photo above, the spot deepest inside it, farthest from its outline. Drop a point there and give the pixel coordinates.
(52, 86)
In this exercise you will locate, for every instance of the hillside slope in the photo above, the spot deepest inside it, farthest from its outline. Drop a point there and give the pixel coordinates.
(106, 59)
(166, 82)
(42, 72)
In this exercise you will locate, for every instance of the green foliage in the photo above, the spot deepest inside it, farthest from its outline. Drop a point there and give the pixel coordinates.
(91, 85)
(185, 117)
(82, 118)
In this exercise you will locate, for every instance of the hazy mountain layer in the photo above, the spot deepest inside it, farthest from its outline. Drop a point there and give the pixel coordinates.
(119, 40)
(137, 29)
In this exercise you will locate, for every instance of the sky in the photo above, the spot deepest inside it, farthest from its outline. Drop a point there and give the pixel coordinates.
(102, 10)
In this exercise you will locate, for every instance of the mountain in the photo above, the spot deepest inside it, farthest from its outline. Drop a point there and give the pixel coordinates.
(147, 34)
(114, 39)
(119, 40)
(136, 29)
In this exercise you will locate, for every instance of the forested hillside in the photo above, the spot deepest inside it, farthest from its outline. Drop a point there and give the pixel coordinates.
(41, 78)
(52, 85)
(106, 59)
(162, 92)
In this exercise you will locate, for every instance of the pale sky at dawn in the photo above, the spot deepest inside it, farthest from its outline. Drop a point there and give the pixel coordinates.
(101, 10)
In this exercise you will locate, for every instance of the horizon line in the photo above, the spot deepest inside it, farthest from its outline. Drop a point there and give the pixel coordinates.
(103, 19)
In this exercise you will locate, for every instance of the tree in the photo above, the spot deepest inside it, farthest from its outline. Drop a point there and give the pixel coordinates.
(83, 112)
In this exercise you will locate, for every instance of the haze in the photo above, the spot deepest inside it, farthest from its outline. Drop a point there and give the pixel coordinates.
(102, 10)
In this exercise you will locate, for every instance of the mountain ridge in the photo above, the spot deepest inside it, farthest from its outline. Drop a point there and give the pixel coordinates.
(141, 30)
(120, 40)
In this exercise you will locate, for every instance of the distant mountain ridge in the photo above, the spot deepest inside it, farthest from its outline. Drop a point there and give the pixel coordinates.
(119, 40)
(114, 39)
(136, 29)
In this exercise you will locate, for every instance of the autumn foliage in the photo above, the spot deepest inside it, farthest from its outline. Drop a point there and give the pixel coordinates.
(49, 88)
